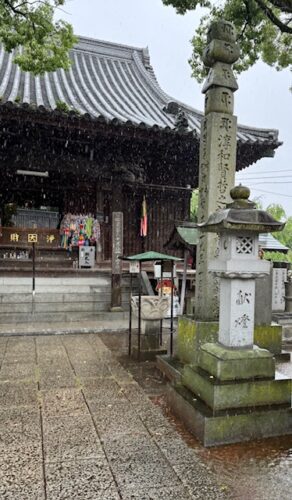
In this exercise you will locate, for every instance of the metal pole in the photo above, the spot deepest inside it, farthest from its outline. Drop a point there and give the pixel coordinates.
(139, 312)
(183, 286)
(33, 268)
(130, 316)
(171, 312)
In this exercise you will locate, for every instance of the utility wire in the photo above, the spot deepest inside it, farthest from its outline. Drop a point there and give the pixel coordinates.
(264, 178)
(270, 182)
(271, 192)
(241, 172)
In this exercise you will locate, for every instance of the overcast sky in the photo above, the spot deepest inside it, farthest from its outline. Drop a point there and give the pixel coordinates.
(263, 98)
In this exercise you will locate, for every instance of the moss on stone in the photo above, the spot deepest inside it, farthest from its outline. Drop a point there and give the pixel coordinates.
(192, 333)
(236, 364)
(243, 394)
(269, 337)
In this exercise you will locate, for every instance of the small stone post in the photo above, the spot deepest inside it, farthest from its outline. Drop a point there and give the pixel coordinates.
(217, 155)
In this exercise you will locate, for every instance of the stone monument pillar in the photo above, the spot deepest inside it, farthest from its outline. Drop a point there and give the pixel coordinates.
(117, 251)
(117, 245)
(217, 155)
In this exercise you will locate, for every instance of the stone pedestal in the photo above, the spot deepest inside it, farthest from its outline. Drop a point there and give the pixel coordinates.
(227, 395)
(233, 395)
(215, 428)
(153, 310)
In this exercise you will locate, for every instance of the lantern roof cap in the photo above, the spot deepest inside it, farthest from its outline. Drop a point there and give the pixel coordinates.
(241, 215)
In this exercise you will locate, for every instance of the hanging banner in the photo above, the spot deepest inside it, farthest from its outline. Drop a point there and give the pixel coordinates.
(144, 221)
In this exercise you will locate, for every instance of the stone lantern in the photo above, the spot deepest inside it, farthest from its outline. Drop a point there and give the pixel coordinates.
(233, 392)
(238, 265)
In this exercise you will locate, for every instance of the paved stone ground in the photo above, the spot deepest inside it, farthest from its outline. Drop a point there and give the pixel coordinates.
(75, 425)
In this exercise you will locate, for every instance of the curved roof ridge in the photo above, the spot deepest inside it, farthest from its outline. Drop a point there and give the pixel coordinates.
(109, 49)
(255, 130)
(152, 78)
(260, 130)
(99, 67)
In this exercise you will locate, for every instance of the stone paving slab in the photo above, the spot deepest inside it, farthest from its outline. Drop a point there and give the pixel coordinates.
(69, 438)
(115, 418)
(80, 480)
(15, 393)
(58, 402)
(18, 426)
(102, 390)
(50, 381)
(137, 492)
(75, 425)
(22, 480)
(17, 371)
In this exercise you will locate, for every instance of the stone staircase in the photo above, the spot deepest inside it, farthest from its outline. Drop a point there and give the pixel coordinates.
(61, 298)
(18, 260)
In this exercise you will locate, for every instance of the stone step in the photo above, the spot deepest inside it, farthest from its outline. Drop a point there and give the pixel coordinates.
(52, 272)
(52, 289)
(19, 298)
(64, 317)
(61, 289)
(27, 264)
(56, 299)
(16, 300)
(51, 307)
(99, 279)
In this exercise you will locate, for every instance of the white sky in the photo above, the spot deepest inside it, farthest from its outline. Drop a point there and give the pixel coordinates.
(263, 98)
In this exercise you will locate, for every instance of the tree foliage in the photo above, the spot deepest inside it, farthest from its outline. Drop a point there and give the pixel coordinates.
(42, 42)
(278, 212)
(264, 30)
(194, 205)
(278, 256)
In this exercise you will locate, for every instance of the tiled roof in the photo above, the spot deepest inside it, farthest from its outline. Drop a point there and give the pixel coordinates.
(268, 242)
(109, 80)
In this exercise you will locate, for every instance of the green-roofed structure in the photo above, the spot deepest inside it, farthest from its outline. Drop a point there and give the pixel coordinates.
(151, 256)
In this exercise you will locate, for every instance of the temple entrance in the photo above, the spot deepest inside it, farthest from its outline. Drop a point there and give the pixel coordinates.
(62, 216)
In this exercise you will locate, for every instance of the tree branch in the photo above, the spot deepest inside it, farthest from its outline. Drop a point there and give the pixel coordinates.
(14, 9)
(275, 20)
(247, 18)
(284, 5)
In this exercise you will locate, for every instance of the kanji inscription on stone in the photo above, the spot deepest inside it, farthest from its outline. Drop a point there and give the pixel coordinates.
(117, 244)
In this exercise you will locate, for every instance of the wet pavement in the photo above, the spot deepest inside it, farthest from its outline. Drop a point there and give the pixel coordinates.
(74, 424)
(260, 470)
